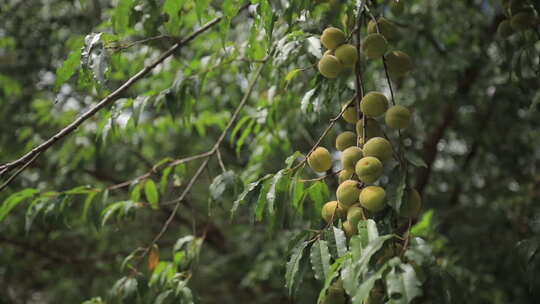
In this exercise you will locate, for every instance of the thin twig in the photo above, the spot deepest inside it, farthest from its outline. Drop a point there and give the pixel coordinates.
(21, 169)
(319, 178)
(211, 152)
(119, 47)
(5, 168)
(220, 161)
(358, 76)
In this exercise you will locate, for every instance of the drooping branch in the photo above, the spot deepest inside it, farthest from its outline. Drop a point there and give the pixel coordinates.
(29, 157)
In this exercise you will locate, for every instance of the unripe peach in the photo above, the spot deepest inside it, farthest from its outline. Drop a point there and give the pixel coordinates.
(378, 147)
(372, 128)
(332, 37)
(386, 28)
(347, 54)
(410, 206)
(347, 193)
(329, 66)
(345, 140)
(320, 160)
(398, 63)
(328, 210)
(355, 214)
(345, 175)
(397, 117)
(369, 169)
(374, 104)
(350, 115)
(350, 228)
(373, 198)
(374, 46)
(350, 156)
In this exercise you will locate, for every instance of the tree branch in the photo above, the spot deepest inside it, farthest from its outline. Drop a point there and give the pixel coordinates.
(28, 157)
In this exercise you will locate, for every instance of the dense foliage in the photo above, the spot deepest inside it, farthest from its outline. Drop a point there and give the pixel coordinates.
(190, 184)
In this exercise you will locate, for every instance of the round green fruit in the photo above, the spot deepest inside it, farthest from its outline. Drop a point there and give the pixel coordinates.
(350, 115)
(386, 28)
(347, 54)
(372, 128)
(345, 140)
(345, 175)
(378, 147)
(398, 63)
(374, 46)
(374, 104)
(505, 30)
(320, 160)
(355, 214)
(350, 228)
(329, 66)
(373, 198)
(369, 169)
(350, 156)
(410, 207)
(523, 21)
(330, 208)
(347, 193)
(332, 37)
(397, 117)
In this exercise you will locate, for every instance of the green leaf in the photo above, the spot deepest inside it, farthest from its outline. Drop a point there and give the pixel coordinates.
(241, 198)
(372, 231)
(333, 273)
(164, 181)
(13, 200)
(320, 259)
(70, 66)
(297, 192)
(292, 74)
(88, 204)
(290, 160)
(135, 192)
(396, 188)
(318, 193)
(201, 8)
(425, 225)
(402, 284)
(415, 159)
(172, 9)
(341, 241)
(291, 273)
(275, 187)
(262, 201)
(121, 14)
(361, 293)
(151, 193)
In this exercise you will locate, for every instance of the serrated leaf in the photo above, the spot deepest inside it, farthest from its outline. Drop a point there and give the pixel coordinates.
(372, 231)
(69, 67)
(320, 259)
(292, 74)
(415, 159)
(151, 193)
(15, 199)
(305, 102)
(402, 284)
(293, 266)
(275, 187)
(341, 241)
(241, 198)
(121, 14)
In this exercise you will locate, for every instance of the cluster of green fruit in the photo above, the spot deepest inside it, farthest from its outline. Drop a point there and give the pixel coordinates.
(363, 166)
(520, 15)
(339, 54)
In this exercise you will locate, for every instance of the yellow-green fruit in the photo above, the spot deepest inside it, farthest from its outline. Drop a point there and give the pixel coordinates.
(347, 54)
(372, 128)
(374, 46)
(397, 117)
(330, 208)
(347, 192)
(350, 228)
(374, 104)
(350, 115)
(398, 63)
(345, 140)
(345, 175)
(378, 147)
(410, 207)
(523, 21)
(373, 198)
(355, 214)
(369, 169)
(397, 7)
(320, 160)
(386, 28)
(329, 66)
(350, 156)
(332, 37)
(504, 29)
